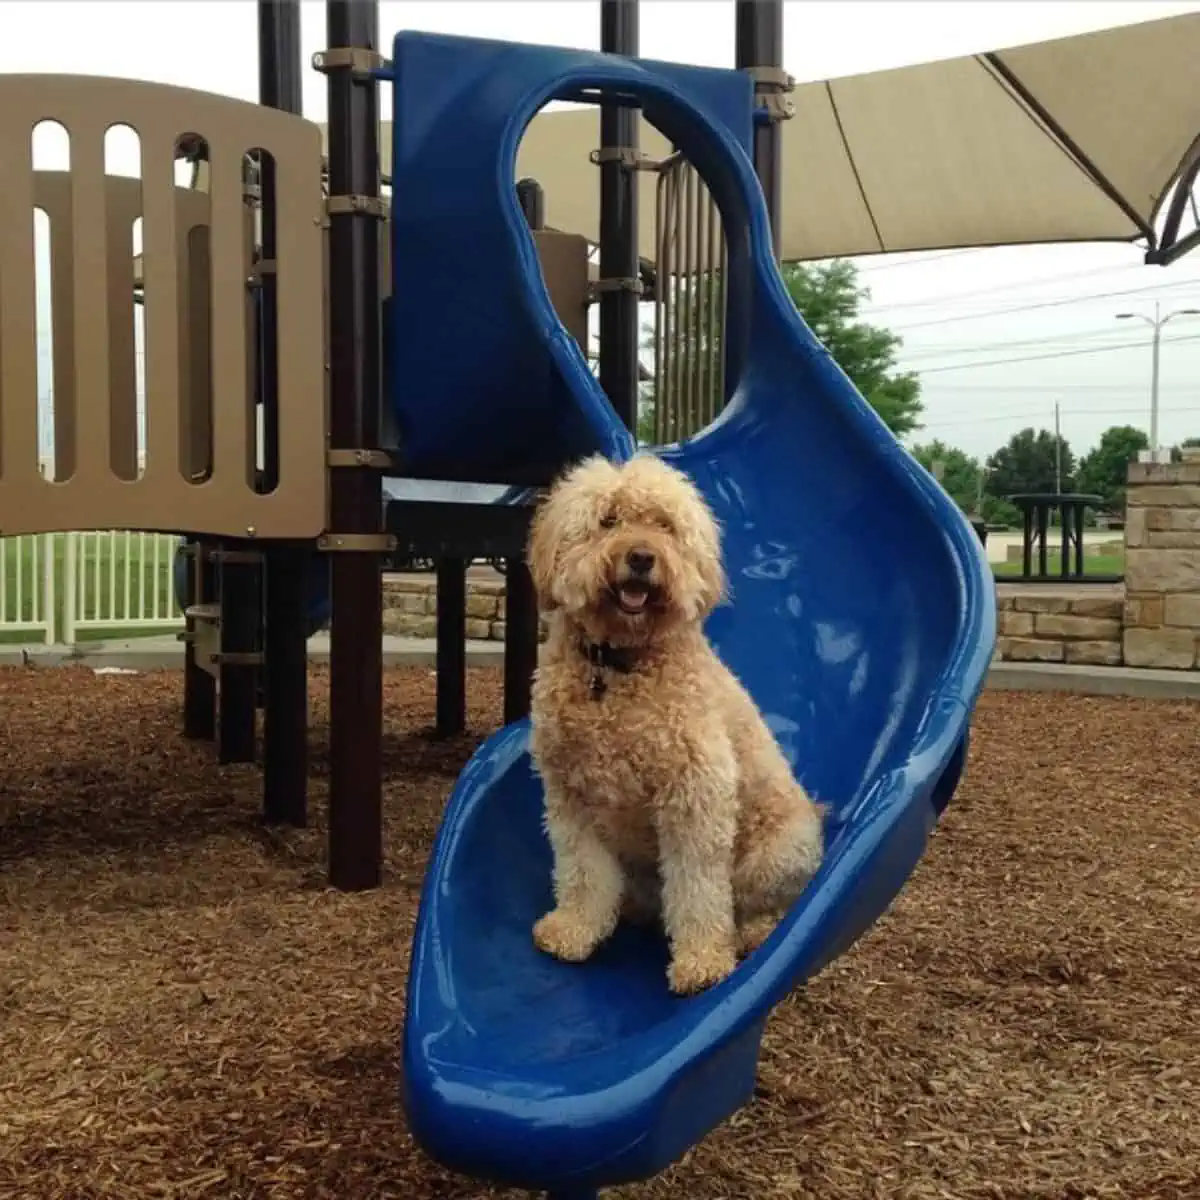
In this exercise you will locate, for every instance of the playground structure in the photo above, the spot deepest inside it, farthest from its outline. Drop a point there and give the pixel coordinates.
(232, 241)
(238, 276)
(868, 671)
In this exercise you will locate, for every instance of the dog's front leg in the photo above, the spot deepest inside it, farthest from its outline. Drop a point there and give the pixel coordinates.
(588, 885)
(695, 836)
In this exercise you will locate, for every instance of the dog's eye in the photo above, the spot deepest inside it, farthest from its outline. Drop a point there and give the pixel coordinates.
(608, 521)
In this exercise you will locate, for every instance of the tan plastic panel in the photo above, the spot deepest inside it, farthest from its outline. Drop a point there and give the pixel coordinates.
(96, 438)
(564, 259)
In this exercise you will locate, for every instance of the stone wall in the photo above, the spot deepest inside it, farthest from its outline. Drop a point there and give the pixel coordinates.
(410, 607)
(1162, 565)
(1156, 624)
(1036, 626)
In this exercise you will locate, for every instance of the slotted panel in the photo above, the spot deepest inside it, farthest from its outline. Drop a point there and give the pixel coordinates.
(165, 497)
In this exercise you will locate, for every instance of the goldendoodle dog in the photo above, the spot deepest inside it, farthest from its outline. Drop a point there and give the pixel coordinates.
(667, 797)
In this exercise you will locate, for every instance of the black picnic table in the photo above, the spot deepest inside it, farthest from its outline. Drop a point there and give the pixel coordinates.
(1036, 508)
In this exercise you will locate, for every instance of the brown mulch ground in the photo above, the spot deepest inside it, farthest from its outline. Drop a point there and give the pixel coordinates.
(186, 1011)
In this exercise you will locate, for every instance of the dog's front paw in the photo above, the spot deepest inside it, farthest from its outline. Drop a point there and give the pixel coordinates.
(753, 931)
(694, 969)
(564, 936)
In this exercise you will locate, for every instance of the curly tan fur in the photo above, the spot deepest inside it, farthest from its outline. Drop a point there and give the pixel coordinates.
(667, 797)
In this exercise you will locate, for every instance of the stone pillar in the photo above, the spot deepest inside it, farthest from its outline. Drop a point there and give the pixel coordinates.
(1162, 564)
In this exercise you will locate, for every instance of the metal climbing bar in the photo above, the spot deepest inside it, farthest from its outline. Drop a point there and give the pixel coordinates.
(689, 304)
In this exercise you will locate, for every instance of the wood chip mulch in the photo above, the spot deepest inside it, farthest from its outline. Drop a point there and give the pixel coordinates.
(186, 1010)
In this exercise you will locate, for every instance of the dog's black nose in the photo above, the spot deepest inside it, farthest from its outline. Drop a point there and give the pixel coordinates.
(641, 562)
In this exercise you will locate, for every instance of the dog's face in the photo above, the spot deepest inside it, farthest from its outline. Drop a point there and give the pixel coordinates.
(627, 551)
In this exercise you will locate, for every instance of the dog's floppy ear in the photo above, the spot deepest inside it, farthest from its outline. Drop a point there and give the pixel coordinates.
(545, 535)
(560, 518)
(714, 585)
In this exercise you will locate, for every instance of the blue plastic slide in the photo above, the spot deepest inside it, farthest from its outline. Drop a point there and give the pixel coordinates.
(862, 621)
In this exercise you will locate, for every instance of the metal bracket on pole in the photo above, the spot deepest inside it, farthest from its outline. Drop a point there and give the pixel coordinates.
(264, 266)
(362, 64)
(597, 287)
(365, 206)
(222, 555)
(241, 658)
(771, 85)
(379, 460)
(358, 543)
(629, 157)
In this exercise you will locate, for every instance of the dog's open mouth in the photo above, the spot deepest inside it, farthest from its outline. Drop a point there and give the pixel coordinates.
(633, 597)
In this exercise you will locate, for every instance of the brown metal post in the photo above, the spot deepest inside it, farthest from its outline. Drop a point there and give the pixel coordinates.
(199, 687)
(520, 639)
(619, 225)
(759, 43)
(285, 641)
(451, 646)
(239, 575)
(356, 495)
(520, 597)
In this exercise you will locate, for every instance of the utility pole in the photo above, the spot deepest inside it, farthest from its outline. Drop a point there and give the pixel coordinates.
(1156, 323)
(1057, 451)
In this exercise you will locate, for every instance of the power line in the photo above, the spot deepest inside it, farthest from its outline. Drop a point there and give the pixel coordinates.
(1062, 339)
(1015, 285)
(871, 269)
(1042, 411)
(1040, 304)
(1056, 388)
(1003, 362)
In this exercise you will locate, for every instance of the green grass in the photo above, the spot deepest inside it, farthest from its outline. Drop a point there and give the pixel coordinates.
(1093, 564)
(100, 584)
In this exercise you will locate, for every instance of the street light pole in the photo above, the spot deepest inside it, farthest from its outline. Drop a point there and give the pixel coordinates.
(1157, 323)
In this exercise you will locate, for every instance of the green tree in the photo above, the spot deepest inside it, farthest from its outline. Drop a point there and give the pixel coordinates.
(962, 476)
(1027, 463)
(997, 511)
(1103, 469)
(830, 298)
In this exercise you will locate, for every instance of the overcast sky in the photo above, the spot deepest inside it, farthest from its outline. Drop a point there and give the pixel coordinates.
(998, 335)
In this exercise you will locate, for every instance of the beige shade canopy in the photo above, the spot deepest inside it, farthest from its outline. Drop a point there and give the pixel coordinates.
(1077, 139)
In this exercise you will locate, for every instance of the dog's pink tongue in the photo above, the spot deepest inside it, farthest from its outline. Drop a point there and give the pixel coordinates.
(632, 599)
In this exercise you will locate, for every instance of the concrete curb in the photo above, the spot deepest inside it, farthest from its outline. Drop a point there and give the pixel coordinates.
(1138, 682)
(156, 654)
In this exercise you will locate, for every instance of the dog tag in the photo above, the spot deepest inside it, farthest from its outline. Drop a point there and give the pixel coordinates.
(597, 687)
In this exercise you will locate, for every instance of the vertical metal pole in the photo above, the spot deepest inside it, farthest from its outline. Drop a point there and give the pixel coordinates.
(520, 639)
(241, 609)
(520, 597)
(1057, 449)
(356, 494)
(451, 703)
(532, 199)
(199, 687)
(1158, 327)
(619, 225)
(759, 43)
(285, 665)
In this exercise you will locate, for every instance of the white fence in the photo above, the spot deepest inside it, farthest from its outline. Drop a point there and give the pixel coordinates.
(60, 588)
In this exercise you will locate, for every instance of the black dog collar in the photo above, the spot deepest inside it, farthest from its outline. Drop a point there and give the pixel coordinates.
(605, 656)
